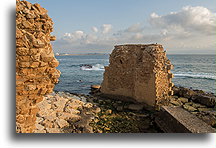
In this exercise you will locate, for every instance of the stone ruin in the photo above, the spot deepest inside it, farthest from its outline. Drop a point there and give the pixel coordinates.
(36, 73)
(140, 72)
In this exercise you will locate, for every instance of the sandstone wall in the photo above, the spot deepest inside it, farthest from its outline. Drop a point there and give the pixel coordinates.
(36, 73)
(141, 72)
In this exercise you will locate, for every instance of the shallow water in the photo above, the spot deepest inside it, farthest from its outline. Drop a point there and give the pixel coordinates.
(81, 71)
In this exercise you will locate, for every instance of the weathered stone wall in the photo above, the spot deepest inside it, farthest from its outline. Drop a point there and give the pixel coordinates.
(141, 72)
(36, 73)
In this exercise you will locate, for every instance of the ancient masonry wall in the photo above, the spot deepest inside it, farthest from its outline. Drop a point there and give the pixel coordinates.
(140, 72)
(36, 72)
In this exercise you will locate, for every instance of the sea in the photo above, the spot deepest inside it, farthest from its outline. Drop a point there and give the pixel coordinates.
(79, 72)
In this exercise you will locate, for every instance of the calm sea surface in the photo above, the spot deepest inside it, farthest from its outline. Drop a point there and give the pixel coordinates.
(79, 72)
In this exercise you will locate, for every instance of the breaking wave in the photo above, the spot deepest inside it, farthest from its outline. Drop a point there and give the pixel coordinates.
(92, 67)
(196, 75)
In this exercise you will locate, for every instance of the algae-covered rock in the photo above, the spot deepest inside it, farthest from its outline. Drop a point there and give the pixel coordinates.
(189, 108)
(183, 100)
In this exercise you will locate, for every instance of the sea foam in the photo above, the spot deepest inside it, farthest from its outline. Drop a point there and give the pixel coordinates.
(196, 75)
(94, 67)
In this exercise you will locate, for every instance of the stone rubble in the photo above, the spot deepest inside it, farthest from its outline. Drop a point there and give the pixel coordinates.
(36, 73)
(65, 113)
(197, 102)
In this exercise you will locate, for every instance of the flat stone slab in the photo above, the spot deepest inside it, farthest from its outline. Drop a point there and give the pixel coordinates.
(177, 120)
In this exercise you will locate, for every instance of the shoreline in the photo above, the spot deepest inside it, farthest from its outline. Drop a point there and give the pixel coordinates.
(80, 113)
(178, 54)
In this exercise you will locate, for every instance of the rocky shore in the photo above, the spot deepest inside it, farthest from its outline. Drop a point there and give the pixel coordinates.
(197, 102)
(62, 112)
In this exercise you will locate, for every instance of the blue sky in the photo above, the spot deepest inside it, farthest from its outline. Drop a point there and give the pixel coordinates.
(97, 25)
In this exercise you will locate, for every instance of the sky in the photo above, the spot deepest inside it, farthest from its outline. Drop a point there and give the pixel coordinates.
(96, 26)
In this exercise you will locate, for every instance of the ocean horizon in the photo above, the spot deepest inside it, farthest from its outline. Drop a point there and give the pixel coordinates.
(80, 71)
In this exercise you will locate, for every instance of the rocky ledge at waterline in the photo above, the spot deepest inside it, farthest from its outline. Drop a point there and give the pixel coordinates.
(197, 102)
(62, 112)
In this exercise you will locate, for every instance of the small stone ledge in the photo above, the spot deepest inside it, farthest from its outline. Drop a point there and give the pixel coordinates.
(178, 120)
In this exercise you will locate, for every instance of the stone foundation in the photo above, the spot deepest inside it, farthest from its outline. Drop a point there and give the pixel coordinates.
(140, 72)
(36, 73)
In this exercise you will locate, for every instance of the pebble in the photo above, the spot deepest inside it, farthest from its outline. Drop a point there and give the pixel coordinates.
(109, 111)
(119, 108)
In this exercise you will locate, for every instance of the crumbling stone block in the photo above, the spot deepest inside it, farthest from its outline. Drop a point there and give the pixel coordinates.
(140, 72)
(36, 71)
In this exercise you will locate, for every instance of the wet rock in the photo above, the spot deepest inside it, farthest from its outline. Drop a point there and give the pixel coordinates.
(209, 101)
(189, 108)
(183, 100)
(189, 103)
(95, 89)
(204, 109)
(197, 105)
(185, 92)
(175, 91)
(176, 103)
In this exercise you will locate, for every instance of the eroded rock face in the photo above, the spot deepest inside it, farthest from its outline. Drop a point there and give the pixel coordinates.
(36, 73)
(141, 72)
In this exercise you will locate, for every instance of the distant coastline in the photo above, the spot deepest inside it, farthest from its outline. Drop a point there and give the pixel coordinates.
(75, 54)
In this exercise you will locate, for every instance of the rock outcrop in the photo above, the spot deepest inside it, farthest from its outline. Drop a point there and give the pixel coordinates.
(36, 73)
(140, 72)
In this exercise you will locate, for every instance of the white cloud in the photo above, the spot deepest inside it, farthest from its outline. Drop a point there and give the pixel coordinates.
(75, 35)
(135, 28)
(189, 19)
(188, 29)
(94, 29)
(106, 28)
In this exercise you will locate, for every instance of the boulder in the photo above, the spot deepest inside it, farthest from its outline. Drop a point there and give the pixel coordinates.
(207, 100)
(95, 87)
(176, 103)
(175, 91)
(189, 108)
(186, 93)
(183, 100)
(204, 109)
(197, 105)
